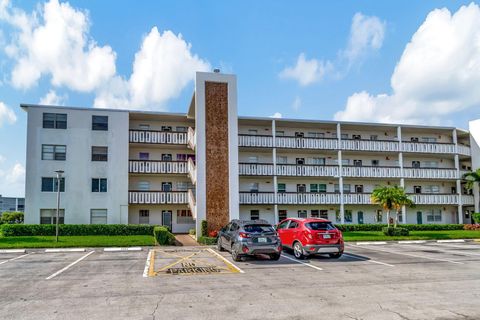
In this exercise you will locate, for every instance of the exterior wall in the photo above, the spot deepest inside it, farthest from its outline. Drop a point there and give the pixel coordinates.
(156, 216)
(474, 127)
(77, 200)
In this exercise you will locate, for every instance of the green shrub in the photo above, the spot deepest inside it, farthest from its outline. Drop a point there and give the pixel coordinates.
(410, 227)
(207, 240)
(476, 217)
(11, 230)
(192, 232)
(204, 228)
(398, 231)
(11, 217)
(163, 236)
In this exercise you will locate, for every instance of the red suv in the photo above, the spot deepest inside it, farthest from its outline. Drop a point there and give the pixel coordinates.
(310, 236)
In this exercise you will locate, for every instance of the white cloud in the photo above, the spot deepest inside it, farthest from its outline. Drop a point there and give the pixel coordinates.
(277, 115)
(6, 114)
(163, 66)
(52, 98)
(297, 103)
(437, 75)
(366, 33)
(54, 41)
(306, 71)
(12, 181)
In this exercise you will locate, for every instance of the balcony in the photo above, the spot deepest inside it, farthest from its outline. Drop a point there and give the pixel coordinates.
(428, 147)
(191, 138)
(369, 145)
(463, 150)
(192, 203)
(257, 141)
(434, 198)
(192, 171)
(468, 200)
(157, 167)
(257, 198)
(306, 170)
(306, 143)
(430, 173)
(255, 169)
(372, 172)
(157, 137)
(308, 198)
(157, 197)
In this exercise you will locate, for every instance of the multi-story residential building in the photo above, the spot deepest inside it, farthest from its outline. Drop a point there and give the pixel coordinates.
(178, 169)
(11, 204)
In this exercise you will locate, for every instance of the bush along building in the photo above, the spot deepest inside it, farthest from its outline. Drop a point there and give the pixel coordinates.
(142, 167)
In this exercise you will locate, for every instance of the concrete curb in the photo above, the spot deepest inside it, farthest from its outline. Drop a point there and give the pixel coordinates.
(371, 243)
(415, 241)
(65, 250)
(13, 251)
(118, 249)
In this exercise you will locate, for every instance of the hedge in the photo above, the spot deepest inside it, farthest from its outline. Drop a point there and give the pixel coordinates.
(391, 231)
(163, 236)
(12, 230)
(204, 228)
(207, 240)
(410, 227)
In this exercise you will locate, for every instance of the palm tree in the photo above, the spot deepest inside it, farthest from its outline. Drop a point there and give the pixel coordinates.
(391, 198)
(472, 178)
(401, 200)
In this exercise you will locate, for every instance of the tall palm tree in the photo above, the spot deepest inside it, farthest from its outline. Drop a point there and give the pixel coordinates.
(401, 199)
(472, 178)
(391, 198)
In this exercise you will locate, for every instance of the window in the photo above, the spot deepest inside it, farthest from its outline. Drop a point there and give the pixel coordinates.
(313, 187)
(99, 185)
(373, 137)
(293, 225)
(254, 187)
(300, 161)
(143, 185)
(320, 226)
(416, 164)
(432, 189)
(279, 133)
(346, 188)
(49, 216)
(359, 188)
(282, 160)
(253, 159)
(318, 161)
(49, 184)
(99, 153)
(184, 217)
(100, 123)
(254, 214)
(315, 134)
(322, 187)
(284, 224)
(348, 215)
(379, 216)
(282, 215)
(166, 128)
(337, 216)
(166, 186)
(345, 162)
(324, 214)
(429, 164)
(344, 136)
(144, 126)
(181, 129)
(375, 163)
(166, 157)
(301, 188)
(356, 137)
(144, 155)
(417, 189)
(181, 157)
(55, 120)
(252, 132)
(414, 139)
(429, 139)
(434, 215)
(144, 217)
(302, 213)
(357, 163)
(314, 213)
(54, 152)
(182, 186)
(98, 216)
(299, 134)
(281, 188)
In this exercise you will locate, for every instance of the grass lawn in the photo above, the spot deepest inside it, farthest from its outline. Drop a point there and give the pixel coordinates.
(414, 235)
(75, 241)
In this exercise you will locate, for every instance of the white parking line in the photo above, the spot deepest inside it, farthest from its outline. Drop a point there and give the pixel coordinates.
(412, 241)
(70, 265)
(65, 250)
(16, 258)
(305, 264)
(116, 249)
(226, 261)
(447, 241)
(12, 251)
(369, 260)
(147, 264)
(370, 242)
(413, 255)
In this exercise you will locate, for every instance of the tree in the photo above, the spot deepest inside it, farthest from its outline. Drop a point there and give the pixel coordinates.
(391, 198)
(12, 217)
(472, 178)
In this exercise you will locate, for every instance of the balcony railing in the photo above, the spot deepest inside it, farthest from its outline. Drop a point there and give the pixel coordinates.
(255, 169)
(157, 197)
(369, 145)
(191, 138)
(192, 171)
(192, 204)
(306, 170)
(245, 140)
(434, 198)
(463, 150)
(308, 198)
(357, 198)
(428, 147)
(306, 143)
(257, 198)
(430, 173)
(374, 172)
(468, 200)
(159, 167)
(157, 137)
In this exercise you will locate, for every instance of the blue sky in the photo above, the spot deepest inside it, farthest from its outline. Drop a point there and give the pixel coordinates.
(388, 61)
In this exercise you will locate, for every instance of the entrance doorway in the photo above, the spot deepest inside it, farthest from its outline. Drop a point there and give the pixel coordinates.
(167, 219)
(360, 217)
(419, 217)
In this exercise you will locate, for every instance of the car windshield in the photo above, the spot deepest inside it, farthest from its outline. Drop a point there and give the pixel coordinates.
(320, 226)
(257, 228)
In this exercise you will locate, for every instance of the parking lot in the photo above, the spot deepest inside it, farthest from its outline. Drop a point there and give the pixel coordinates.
(371, 281)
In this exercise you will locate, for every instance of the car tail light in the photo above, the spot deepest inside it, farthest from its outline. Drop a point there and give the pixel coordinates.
(245, 249)
(243, 235)
(308, 235)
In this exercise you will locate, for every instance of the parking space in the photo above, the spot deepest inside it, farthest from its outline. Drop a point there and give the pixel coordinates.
(198, 282)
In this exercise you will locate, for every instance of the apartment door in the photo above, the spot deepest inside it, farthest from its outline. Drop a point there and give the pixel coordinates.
(419, 217)
(359, 188)
(360, 217)
(166, 186)
(167, 219)
(417, 189)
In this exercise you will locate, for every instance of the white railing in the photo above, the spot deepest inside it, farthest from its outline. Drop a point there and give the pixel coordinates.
(374, 172)
(306, 143)
(255, 169)
(162, 137)
(433, 147)
(463, 150)
(468, 200)
(308, 198)
(157, 197)
(434, 198)
(430, 173)
(152, 166)
(192, 171)
(257, 198)
(369, 145)
(356, 198)
(297, 170)
(192, 203)
(191, 138)
(255, 141)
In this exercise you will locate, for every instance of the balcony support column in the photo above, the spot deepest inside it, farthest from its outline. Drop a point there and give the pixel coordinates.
(340, 184)
(275, 180)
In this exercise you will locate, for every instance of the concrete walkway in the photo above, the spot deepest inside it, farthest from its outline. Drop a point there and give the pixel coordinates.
(185, 240)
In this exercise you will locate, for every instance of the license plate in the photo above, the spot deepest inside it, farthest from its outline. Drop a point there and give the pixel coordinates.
(261, 239)
(326, 236)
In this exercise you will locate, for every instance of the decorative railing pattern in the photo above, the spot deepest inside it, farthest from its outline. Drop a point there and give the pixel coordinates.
(255, 169)
(369, 145)
(306, 143)
(468, 200)
(154, 166)
(192, 203)
(157, 197)
(192, 171)
(428, 147)
(191, 138)
(434, 198)
(245, 140)
(157, 137)
(374, 172)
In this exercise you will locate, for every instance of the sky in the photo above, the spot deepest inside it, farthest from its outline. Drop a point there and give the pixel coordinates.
(375, 61)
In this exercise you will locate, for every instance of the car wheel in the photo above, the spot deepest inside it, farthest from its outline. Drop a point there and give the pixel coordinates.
(235, 255)
(275, 256)
(335, 255)
(298, 250)
(219, 245)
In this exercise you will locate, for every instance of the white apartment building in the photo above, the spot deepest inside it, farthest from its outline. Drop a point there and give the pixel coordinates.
(134, 167)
